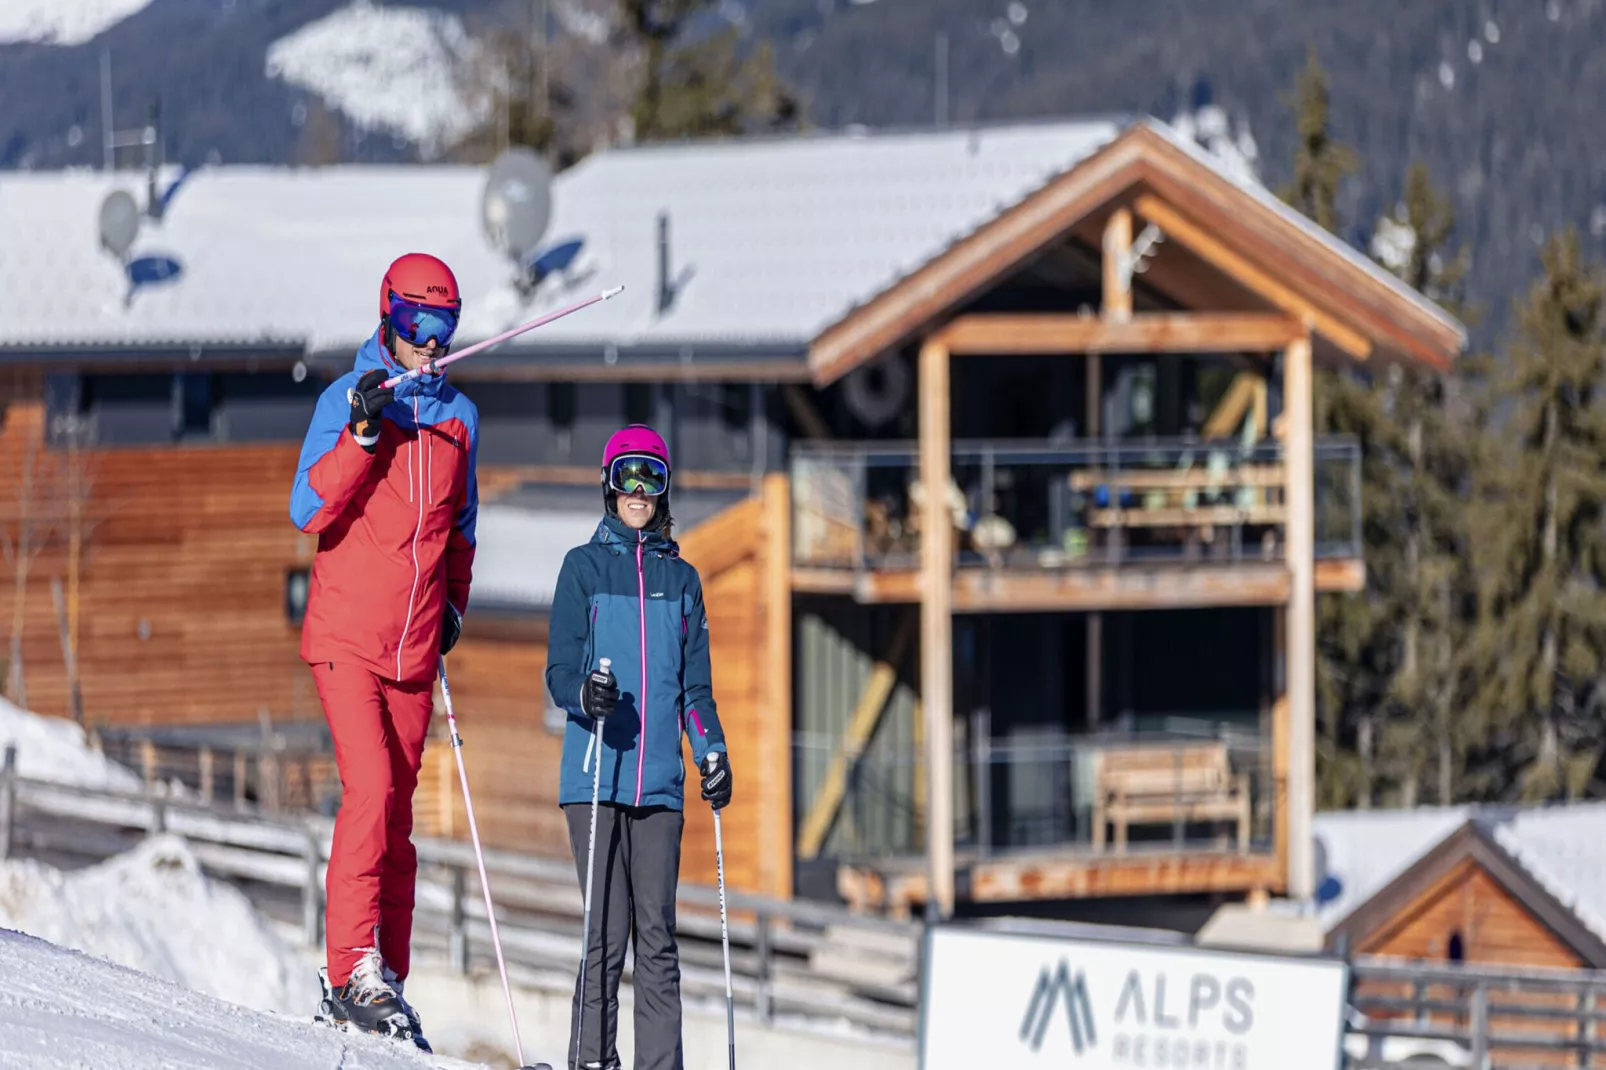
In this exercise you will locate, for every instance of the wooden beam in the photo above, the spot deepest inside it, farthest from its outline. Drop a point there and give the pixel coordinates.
(860, 728)
(1341, 575)
(775, 866)
(1301, 539)
(1229, 411)
(1148, 332)
(1117, 304)
(978, 590)
(1178, 228)
(936, 621)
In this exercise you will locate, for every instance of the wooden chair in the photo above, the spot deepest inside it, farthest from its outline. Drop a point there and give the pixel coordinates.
(1158, 785)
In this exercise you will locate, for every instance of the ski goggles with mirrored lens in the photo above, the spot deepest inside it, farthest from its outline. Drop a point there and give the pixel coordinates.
(419, 323)
(636, 471)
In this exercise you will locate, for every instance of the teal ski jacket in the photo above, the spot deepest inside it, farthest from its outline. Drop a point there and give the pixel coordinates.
(627, 595)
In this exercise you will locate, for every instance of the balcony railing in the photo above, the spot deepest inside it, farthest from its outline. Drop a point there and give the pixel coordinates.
(1036, 505)
(1161, 783)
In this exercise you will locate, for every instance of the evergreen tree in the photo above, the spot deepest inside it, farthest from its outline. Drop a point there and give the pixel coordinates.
(1320, 163)
(691, 86)
(1431, 444)
(1540, 550)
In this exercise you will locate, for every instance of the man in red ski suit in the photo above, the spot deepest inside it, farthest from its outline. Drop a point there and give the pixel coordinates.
(387, 482)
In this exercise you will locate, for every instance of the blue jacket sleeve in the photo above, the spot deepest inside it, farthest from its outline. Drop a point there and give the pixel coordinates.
(568, 636)
(332, 464)
(702, 714)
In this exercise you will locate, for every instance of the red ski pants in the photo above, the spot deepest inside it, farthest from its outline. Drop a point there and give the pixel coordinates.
(378, 728)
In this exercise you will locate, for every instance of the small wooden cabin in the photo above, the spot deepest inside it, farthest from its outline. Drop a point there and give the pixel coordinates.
(993, 447)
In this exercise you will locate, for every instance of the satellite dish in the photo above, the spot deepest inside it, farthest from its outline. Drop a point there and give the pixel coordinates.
(517, 204)
(119, 222)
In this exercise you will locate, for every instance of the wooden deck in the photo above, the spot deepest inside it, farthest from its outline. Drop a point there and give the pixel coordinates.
(900, 886)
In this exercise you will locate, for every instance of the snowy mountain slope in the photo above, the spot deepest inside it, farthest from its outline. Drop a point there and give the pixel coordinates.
(62, 1009)
(62, 22)
(394, 69)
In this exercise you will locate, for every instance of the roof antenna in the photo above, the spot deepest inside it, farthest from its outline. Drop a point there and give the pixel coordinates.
(666, 293)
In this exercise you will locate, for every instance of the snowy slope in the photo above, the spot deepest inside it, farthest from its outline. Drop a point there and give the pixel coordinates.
(62, 22)
(154, 910)
(54, 749)
(60, 1009)
(399, 69)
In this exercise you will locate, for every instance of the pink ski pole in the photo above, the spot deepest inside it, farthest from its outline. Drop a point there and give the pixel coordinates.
(434, 366)
(479, 855)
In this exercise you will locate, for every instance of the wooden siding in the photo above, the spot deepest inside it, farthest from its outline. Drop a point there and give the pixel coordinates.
(1495, 928)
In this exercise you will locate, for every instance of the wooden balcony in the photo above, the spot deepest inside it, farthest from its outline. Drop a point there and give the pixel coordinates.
(1079, 526)
(1182, 807)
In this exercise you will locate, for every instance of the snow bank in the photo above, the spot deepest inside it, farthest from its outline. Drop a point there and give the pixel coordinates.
(60, 1009)
(54, 749)
(62, 22)
(392, 68)
(154, 910)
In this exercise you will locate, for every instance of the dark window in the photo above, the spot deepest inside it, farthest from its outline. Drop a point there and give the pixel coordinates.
(1457, 952)
(562, 404)
(195, 403)
(130, 410)
(639, 403)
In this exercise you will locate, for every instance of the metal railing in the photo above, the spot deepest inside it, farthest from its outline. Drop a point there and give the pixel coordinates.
(1086, 504)
(790, 959)
(1176, 784)
(1485, 1017)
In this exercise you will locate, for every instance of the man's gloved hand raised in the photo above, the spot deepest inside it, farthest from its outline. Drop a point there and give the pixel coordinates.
(368, 400)
(716, 772)
(599, 694)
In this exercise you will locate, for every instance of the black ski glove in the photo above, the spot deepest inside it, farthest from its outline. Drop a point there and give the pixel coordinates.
(368, 400)
(599, 694)
(451, 628)
(717, 779)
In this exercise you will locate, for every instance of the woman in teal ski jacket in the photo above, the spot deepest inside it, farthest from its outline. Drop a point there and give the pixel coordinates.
(629, 597)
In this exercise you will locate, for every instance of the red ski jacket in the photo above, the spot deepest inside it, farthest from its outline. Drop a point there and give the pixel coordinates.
(395, 527)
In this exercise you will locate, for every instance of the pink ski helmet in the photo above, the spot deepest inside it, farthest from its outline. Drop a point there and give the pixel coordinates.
(636, 438)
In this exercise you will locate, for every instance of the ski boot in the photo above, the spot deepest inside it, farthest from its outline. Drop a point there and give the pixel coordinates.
(396, 985)
(365, 1003)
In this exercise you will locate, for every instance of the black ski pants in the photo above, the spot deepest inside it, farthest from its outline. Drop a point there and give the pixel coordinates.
(632, 898)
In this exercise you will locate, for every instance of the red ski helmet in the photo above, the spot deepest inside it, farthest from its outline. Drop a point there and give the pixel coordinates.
(419, 300)
(421, 279)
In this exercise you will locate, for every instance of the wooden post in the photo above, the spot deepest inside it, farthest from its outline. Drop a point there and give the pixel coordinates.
(457, 939)
(1118, 266)
(311, 897)
(936, 623)
(207, 779)
(239, 779)
(1278, 787)
(776, 861)
(8, 799)
(147, 751)
(1301, 541)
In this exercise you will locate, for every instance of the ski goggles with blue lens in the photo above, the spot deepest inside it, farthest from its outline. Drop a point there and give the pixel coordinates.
(417, 324)
(636, 471)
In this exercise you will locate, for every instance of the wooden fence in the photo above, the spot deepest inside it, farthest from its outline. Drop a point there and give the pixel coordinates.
(789, 959)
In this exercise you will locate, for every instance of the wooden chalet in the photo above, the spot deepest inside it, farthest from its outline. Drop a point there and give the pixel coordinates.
(1080, 674)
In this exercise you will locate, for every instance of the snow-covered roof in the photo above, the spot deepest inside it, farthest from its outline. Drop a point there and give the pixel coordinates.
(771, 240)
(1563, 848)
(518, 553)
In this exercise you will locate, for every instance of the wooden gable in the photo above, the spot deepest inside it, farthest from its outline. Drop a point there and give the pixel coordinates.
(1469, 899)
(1228, 247)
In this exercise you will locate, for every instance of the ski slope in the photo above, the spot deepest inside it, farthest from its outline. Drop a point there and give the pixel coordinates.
(63, 1009)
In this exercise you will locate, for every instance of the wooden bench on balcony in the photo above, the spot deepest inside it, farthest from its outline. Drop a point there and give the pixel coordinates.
(1160, 785)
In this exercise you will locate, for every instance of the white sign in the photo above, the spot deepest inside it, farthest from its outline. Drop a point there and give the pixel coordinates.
(997, 999)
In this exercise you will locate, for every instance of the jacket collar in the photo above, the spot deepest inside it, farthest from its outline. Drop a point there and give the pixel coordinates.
(374, 355)
(615, 533)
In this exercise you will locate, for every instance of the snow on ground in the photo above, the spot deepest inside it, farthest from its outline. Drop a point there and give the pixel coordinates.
(61, 1009)
(56, 749)
(62, 22)
(154, 910)
(398, 69)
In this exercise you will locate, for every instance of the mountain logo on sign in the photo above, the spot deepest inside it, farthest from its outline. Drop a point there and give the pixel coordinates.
(1055, 986)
